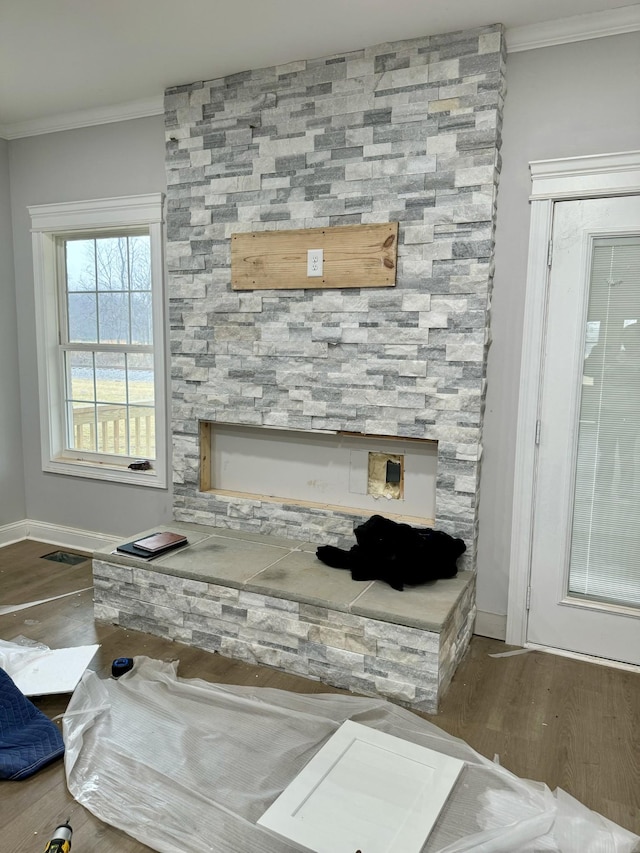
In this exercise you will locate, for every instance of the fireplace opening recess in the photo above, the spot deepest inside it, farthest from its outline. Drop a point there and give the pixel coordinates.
(368, 474)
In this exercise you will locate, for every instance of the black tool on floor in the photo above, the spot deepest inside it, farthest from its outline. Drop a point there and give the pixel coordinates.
(120, 666)
(61, 839)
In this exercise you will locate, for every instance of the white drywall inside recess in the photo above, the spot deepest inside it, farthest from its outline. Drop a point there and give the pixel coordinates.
(324, 468)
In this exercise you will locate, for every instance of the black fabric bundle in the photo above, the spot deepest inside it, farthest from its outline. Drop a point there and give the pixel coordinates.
(399, 554)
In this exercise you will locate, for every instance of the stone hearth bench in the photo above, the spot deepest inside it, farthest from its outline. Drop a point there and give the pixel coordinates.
(269, 600)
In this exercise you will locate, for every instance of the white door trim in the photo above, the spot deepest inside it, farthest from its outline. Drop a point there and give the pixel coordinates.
(585, 177)
(600, 175)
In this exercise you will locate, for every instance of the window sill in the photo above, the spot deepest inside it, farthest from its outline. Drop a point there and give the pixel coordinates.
(152, 479)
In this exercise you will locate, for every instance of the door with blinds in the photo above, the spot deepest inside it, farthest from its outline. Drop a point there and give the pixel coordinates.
(585, 562)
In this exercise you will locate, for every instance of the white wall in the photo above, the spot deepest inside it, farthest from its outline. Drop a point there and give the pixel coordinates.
(561, 101)
(96, 162)
(12, 500)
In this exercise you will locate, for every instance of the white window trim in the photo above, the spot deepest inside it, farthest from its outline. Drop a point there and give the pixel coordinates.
(48, 222)
(595, 176)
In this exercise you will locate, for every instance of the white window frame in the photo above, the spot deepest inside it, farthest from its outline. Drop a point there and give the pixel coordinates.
(98, 217)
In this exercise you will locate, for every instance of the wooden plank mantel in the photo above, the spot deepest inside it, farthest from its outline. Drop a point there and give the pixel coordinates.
(354, 256)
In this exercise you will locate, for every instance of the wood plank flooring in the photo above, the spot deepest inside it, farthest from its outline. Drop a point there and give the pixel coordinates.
(570, 724)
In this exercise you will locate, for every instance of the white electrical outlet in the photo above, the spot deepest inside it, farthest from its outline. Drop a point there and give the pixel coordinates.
(314, 262)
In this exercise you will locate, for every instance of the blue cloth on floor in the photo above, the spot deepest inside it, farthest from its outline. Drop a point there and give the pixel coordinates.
(28, 738)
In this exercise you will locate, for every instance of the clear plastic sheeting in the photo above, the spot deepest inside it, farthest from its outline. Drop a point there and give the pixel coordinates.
(181, 764)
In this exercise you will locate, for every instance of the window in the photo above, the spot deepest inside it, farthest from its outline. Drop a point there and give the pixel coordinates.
(101, 362)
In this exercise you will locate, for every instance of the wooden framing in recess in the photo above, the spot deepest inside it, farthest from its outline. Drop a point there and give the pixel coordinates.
(205, 455)
(354, 256)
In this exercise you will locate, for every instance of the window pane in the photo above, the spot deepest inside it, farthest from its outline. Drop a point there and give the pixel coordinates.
(140, 377)
(141, 320)
(112, 263)
(111, 385)
(140, 262)
(142, 437)
(606, 516)
(112, 430)
(81, 265)
(80, 375)
(82, 318)
(83, 431)
(114, 318)
(121, 418)
(110, 395)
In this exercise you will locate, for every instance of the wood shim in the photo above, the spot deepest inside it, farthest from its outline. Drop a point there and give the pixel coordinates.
(354, 256)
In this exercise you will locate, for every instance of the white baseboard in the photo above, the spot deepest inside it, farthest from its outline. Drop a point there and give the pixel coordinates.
(14, 532)
(492, 625)
(55, 534)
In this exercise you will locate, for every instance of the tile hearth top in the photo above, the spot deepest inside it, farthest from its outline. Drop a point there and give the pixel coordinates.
(289, 569)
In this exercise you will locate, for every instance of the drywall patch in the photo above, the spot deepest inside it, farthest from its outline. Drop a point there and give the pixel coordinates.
(386, 476)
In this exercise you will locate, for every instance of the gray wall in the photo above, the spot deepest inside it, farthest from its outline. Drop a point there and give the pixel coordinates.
(96, 162)
(12, 502)
(561, 102)
(572, 99)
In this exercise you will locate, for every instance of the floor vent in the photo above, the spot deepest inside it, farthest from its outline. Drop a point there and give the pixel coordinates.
(65, 557)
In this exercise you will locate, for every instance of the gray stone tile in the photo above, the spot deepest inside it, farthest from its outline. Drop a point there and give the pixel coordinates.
(427, 607)
(376, 647)
(308, 546)
(302, 577)
(220, 559)
(265, 539)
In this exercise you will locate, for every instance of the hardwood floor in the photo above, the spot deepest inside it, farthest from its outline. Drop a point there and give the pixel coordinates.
(570, 724)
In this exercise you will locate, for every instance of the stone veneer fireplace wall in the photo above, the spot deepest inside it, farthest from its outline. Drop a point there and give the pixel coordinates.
(404, 132)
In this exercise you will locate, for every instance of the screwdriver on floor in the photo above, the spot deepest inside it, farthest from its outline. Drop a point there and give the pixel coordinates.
(61, 839)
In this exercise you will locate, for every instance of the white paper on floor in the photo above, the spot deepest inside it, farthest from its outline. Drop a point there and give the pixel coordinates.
(512, 653)
(13, 608)
(181, 764)
(41, 671)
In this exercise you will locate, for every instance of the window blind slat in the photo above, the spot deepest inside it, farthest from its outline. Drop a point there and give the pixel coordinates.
(605, 546)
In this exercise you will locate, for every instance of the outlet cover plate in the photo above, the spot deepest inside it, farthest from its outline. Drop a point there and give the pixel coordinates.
(314, 263)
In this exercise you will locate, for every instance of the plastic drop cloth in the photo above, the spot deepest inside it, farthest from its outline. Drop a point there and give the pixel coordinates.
(181, 764)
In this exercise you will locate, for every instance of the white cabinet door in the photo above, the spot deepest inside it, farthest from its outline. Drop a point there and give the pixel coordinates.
(585, 561)
(364, 790)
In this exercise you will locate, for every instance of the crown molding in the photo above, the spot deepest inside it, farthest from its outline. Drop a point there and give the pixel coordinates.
(625, 19)
(85, 118)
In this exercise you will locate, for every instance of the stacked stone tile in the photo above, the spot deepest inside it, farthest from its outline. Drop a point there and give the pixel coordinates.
(406, 131)
(410, 665)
